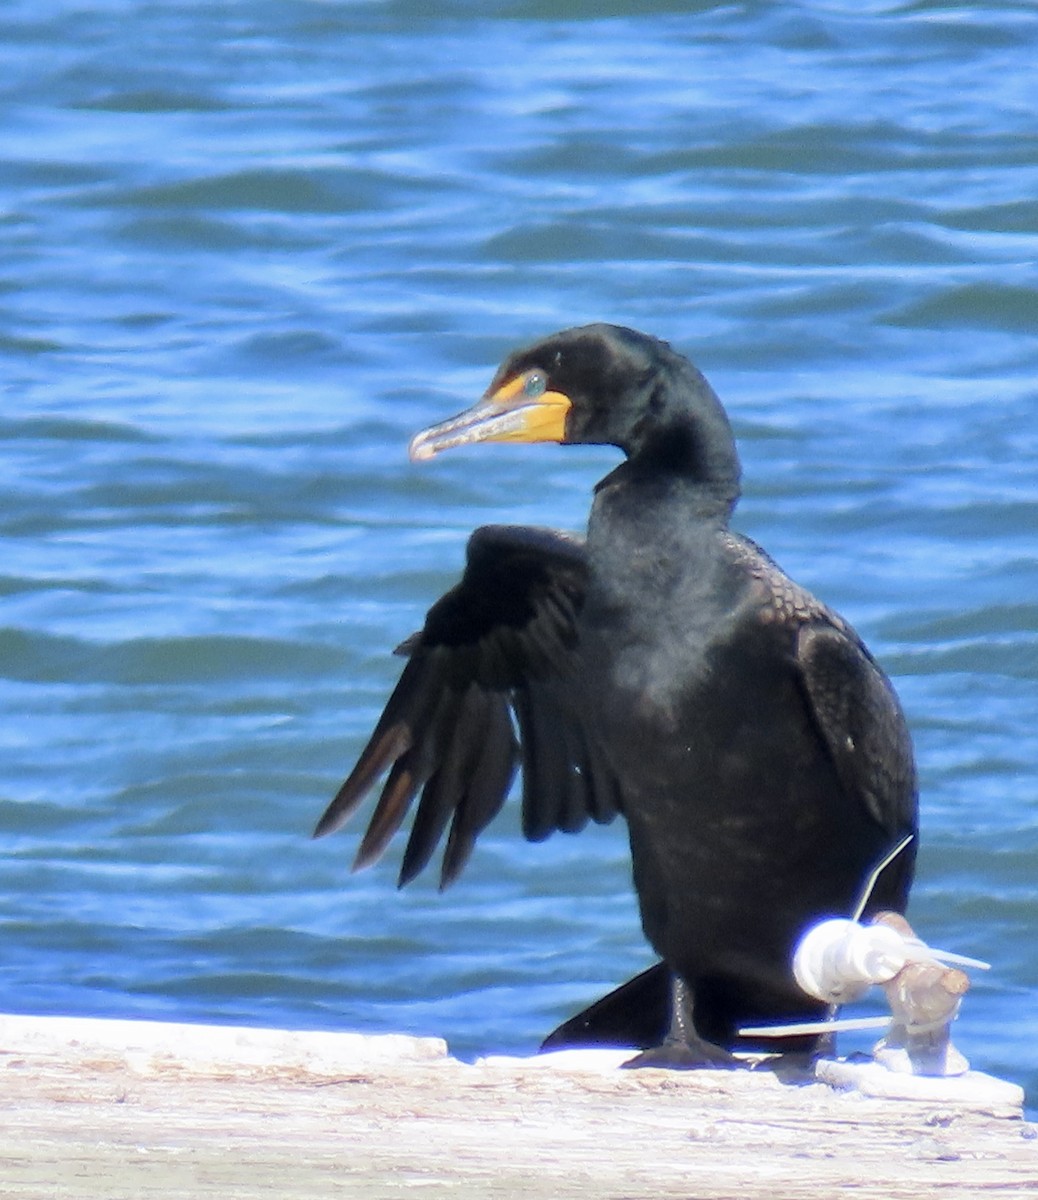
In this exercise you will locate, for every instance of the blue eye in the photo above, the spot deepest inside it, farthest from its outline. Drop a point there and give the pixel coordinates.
(534, 384)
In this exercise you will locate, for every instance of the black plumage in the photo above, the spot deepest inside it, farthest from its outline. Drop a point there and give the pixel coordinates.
(666, 669)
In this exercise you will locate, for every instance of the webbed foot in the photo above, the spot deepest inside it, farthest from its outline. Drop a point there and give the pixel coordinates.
(690, 1054)
(683, 1048)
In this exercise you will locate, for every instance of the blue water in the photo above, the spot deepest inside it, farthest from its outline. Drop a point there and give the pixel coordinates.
(247, 249)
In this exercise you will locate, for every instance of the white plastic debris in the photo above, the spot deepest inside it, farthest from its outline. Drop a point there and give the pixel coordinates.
(838, 960)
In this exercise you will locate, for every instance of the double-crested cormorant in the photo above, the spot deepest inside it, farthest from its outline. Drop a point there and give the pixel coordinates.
(666, 669)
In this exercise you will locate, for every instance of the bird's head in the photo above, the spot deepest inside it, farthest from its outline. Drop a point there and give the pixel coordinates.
(600, 384)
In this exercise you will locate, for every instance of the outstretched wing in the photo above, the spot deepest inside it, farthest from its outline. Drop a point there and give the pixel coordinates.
(503, 641)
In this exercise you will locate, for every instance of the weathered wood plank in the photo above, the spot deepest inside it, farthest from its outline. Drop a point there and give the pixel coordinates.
(127, 1110)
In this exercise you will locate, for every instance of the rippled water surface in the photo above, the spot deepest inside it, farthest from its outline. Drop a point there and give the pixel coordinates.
(247, 249)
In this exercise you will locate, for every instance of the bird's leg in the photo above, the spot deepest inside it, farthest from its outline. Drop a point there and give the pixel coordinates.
(683, 1049)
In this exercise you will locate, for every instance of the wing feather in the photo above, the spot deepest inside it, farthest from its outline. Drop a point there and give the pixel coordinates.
(486, 792)
(445, 790)
(862, 724)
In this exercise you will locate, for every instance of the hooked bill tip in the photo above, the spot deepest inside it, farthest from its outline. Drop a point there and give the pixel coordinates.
(420, 449)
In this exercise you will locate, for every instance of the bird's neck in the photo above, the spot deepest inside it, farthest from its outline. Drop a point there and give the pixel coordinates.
(666, 479)
(661, 525)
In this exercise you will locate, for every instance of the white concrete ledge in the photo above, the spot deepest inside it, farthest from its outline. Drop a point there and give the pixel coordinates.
(129, 1109)
(154, 1046)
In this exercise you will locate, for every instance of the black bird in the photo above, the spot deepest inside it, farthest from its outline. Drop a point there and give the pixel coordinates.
(666, 669)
